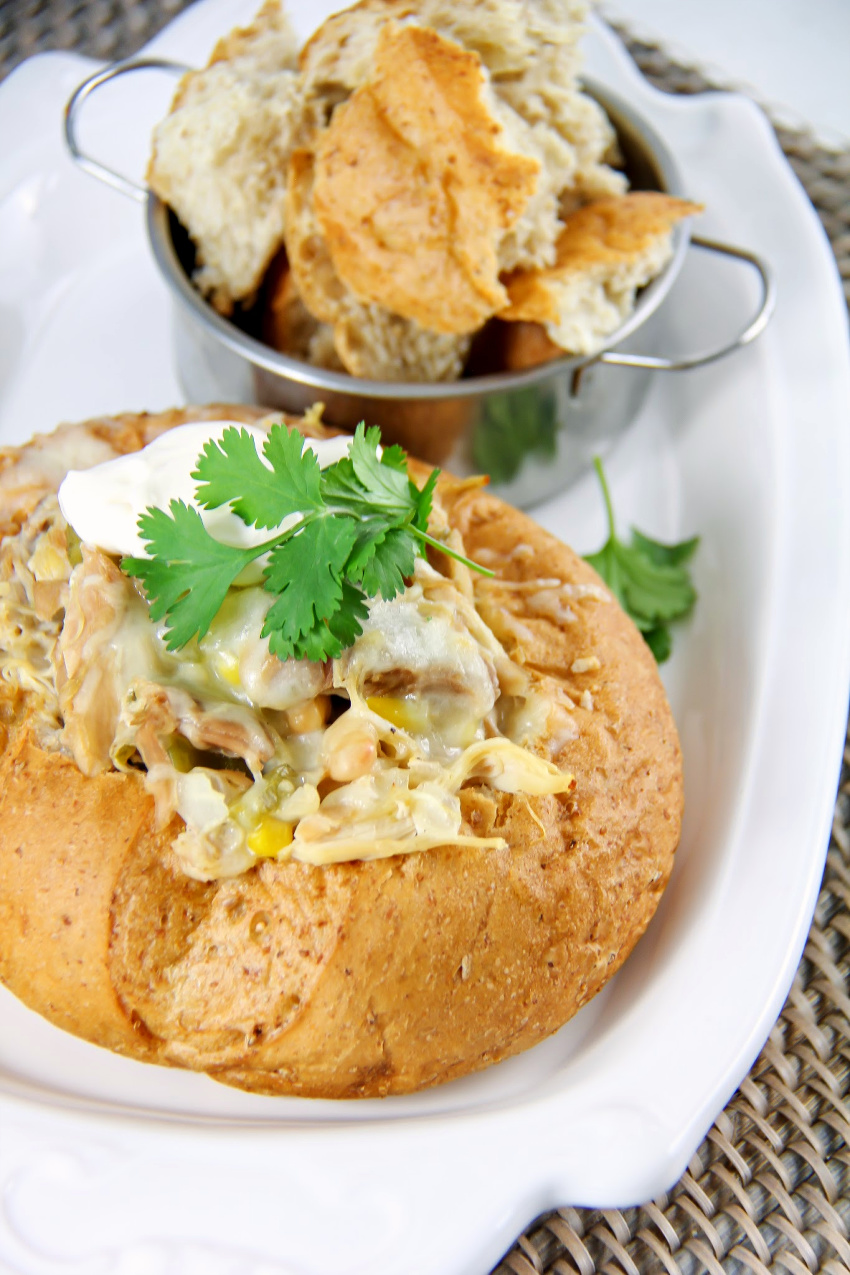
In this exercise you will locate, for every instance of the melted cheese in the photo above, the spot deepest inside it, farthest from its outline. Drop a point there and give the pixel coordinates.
(434, 702)
(244, 747)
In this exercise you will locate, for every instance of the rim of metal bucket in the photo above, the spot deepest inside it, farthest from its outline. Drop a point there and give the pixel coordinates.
(285, 367)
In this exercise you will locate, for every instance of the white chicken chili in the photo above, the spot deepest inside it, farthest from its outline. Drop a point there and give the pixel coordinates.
(357, 757)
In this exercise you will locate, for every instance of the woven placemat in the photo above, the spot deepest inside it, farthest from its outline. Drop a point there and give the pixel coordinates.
(768, 1191)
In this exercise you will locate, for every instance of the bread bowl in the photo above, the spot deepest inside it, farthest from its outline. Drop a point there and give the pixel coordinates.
(345, 979)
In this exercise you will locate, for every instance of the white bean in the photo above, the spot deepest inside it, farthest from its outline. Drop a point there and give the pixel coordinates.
(349, 748)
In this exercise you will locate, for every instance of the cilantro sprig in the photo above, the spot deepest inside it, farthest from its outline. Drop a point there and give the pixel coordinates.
(342, 535)
(650, 580)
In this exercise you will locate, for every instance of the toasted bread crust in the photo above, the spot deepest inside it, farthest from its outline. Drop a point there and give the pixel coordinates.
(606, 237)
(364, 978)
(415, 187)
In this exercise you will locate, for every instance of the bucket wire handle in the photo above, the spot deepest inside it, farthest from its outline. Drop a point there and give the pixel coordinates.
(134, 190)
(756, 325)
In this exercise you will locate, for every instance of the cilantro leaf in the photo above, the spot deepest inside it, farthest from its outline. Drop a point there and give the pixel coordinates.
(360, 524)
(296, 467)
(395, 457)
(385, 573)
(230, 471)
(346, 623)
(665, 555)
(660, 642)
(305, 571)
(424, 500)
(387, 484)
(370, 535)
(188, 573)
(649, 579)
(342, 489)
(651, 592)
(289, 640)
(320, 638)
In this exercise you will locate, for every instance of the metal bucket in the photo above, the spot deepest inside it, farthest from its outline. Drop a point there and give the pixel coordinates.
(533, 431)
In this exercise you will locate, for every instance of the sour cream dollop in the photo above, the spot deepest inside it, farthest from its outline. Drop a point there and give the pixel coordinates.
(103, 504)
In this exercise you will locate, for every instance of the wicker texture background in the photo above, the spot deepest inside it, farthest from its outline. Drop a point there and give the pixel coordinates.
(769, 1189)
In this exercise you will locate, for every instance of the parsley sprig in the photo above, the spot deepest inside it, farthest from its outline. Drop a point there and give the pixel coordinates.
(650, 580)
(342, 535)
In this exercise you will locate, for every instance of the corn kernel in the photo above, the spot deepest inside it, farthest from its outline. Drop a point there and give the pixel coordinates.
(407, 713)
(270, 836)
(227, 667)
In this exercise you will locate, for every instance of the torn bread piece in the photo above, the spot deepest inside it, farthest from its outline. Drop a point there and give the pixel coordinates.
(415, 185)
(366, 340)
(606, 251)
(219, 157)
(287, 324)
(371, 341)
(506, 34)
(529, 55)
(547, 94)
(523, 345)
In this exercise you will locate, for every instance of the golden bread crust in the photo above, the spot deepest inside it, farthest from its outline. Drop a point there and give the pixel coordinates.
(415, 187)
(65, 839)
(603, 236)
(363, 978)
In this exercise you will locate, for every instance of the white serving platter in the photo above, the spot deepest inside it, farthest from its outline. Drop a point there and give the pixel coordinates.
(112, 1166)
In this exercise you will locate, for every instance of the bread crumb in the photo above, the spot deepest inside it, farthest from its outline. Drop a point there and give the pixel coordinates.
(549, 604)
(587, 701)
(585, 664)
(587, 591)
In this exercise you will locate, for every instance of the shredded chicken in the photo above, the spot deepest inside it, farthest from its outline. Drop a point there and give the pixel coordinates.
(34, 573)
(88, 659)
(151, 715)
